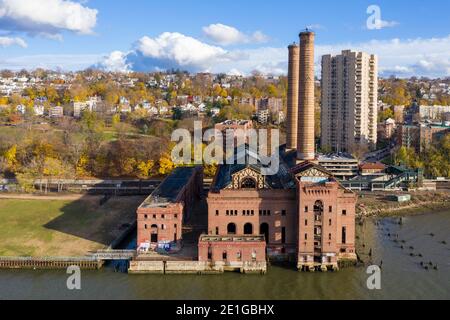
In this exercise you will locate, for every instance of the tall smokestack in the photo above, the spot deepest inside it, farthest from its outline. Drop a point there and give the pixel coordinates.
(305, 142)
(292, 96)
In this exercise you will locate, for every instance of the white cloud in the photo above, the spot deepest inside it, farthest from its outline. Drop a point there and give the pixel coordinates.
(8, 41)
(46, 17)
(180, 50)
(235, 72)
(259, 37)
(227, 35)
(115, 62)
(433, 66)
(410, 57)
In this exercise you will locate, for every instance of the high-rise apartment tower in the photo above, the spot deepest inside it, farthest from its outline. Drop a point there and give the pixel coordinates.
(349, 101)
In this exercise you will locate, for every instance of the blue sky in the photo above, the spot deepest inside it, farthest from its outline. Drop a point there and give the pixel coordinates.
(219, 36)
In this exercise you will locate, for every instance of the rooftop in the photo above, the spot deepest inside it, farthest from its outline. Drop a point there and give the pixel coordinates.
(168, 191)
(372, 165)
(281, 180)
(234, 122)
(336, 157)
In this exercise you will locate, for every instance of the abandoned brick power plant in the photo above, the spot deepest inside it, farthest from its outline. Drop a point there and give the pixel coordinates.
(302, 214)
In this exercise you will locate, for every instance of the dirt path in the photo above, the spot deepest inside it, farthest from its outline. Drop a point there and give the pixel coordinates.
(47, 197)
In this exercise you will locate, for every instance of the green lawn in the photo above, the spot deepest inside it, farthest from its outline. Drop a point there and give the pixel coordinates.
(62, 228)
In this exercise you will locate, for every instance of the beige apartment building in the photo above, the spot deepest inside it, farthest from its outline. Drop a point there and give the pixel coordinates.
(349, 101)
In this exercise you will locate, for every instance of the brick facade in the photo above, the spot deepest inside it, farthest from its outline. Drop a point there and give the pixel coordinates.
(160, 217)
(311, 221)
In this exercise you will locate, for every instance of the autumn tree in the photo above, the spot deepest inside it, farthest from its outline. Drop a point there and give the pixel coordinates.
(145, 168)
(385, 114)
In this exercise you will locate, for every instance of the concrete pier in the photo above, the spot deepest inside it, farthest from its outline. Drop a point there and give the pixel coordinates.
(194, 267)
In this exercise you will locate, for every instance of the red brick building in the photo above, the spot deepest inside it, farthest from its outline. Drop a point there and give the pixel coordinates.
(303, 214)
(161, 216)
(370, 168)
(300, 214)
(245, 253)
(326, 225)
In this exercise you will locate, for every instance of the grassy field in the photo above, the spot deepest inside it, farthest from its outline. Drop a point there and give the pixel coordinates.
(62, 227)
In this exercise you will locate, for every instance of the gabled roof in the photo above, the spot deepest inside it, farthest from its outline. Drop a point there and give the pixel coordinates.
(307, 166)
(250, 159)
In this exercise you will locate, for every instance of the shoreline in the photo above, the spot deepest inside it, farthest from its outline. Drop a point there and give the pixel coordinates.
(417, 205)
(368, 207)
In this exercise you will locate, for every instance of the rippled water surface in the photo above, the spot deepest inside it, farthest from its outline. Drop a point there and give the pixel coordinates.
(403, 277)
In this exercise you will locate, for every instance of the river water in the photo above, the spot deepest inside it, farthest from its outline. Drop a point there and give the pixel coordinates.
(402, 275)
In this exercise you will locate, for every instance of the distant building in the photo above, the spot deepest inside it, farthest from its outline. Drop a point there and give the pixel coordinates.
(56, 112)
(399, 114)
(21, 109)
(182, 99)
(215, 111)
(38, 110)
(370, 168)
(79, 107)
(409, 136)
(263, 116)
(125, 108)
(432, 133)
(420, 136)
(386, 129)
(230, 130)
(433, 113)
(342, 166)
(280, 118)
(272, 104)
(446, 116)
(349, 100)
(90, 105)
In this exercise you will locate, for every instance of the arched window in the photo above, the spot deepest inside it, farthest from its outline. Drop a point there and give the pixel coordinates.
(264, 230)
(154, 233)
(248, 228)
(318, 210)
(248, 183)
(318, 206)
(231, 228)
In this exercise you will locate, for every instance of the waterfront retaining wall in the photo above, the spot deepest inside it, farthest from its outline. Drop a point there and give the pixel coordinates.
(49, 263)
(193, 267)
(185, 267)
(146, 267)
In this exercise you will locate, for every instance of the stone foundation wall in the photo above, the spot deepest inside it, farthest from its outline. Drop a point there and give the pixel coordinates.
(146, 267)
(194, 267)
(185, 267)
